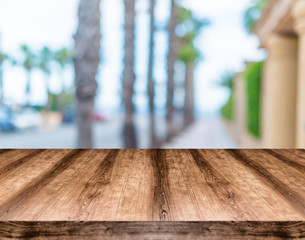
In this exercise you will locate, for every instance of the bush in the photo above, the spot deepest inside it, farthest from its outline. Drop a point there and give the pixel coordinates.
(253, 79)
(227, 110)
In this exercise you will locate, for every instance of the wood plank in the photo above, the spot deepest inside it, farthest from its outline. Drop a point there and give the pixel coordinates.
(295, 155)
(14, 179)
(254, 199)
(11, 205)
(279, 176)
(216, 194)
(292, 161)
(152, 230)
(11, 155)
(58, 198)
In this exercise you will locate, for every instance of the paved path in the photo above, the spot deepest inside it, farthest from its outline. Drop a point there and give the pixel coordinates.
(106, 135)
(203, 134)
(208, 133)
(64, 136)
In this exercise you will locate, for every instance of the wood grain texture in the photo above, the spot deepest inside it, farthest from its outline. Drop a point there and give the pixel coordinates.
(278, 175)
(152, 230)
(258, 193)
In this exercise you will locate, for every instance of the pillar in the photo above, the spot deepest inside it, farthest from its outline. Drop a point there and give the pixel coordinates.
(240, 107)
(299, 16)
(279, 92)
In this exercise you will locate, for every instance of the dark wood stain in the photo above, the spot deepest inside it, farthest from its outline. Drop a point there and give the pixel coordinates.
(286, 160)
(296, 200)
(161, 192)
(97, 183)
(153, 230)
(12, 166)
(298, 155)
(2, 151)
(38, 184)
(104, 188)
(218, 183)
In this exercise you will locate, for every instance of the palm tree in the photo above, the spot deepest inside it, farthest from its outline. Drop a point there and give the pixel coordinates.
(171, 59)
(188, 54)
(86, 61)
(63, 57)
(189, 60)
(3, 58)
(45, 58)
(129, 132)
(151, 84)
(29, 63)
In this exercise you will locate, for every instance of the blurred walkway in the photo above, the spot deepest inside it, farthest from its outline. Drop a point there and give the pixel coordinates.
(208, 133)
(106, 135)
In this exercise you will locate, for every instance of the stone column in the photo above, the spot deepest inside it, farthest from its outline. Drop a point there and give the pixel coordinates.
(279, 92)
(240, 107)
(299, 16)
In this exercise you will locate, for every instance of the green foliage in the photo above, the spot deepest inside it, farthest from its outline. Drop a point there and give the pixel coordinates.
(253, 13)
(54, 102)
(59, 102)
(3, 57)
(42, 60)
(63, 57)
(228, 81)
(189, 27)
(183, 15)
(69, 98)
(187, 53)
(30, 59)
(253, 78)
(227, 111)
(37, 107)
(46, 56)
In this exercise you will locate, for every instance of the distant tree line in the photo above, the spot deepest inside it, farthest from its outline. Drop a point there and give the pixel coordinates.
(183, 29)
(41, 60)
(181, 48)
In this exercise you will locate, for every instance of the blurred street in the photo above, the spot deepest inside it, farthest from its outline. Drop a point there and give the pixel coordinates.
(156, 74)
(209, 133)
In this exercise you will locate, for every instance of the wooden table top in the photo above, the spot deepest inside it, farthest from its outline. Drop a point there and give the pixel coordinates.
(152, 185)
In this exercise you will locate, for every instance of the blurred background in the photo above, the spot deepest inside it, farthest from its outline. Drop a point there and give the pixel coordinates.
(131, 74)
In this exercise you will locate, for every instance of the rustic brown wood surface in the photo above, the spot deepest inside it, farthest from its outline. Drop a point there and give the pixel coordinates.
(201, 194)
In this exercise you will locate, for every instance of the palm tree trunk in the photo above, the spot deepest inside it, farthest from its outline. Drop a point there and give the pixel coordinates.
(1, 83)
(28, 89)
(171, 58)
(87, 48)
(189, 95)
(129, 132)
(62, 97)
(1, 75)
(49, 95)
(151, 84)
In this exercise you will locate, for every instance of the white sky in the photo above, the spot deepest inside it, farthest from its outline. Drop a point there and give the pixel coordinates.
(224, 43)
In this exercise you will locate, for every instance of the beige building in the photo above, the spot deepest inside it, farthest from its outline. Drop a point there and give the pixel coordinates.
(281, 31)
